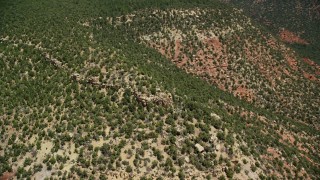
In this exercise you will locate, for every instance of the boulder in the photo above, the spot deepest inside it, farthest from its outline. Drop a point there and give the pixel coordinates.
(75, 76)
(215, 116)
(93, 80)
(214, 139)
(163, 99)
(186, 159)
(199, 147)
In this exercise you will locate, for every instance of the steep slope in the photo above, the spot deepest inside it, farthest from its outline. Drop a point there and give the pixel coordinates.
(295, 22)
(85, 96)
(229, 51)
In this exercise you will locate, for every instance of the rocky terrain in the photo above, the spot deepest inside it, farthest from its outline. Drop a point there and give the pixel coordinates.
(235, 56)
(298, 19)
(143, 90)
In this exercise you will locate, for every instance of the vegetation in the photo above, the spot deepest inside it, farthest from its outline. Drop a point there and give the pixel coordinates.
(301, 17)
(86, 95)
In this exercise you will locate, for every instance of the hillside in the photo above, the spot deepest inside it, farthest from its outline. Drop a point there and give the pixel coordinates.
(139, 89)
(229, 51)
(297, 23)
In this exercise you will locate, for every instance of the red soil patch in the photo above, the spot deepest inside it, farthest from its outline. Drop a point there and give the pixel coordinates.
(308, 61)
(201, 63)
(288, 137)
(292, 63)
(244, 93)
(177, 49)
(221, 86)
(216, 45)
(6, 176)
(301, 148)
(247, 114)
(290, 37)
(313, 64)
(268, 70)
(309, 76)
(272, 43)
(177, 53)
(286, 72)
(272, 154)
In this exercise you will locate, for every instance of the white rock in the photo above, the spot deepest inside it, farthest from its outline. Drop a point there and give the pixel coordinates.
(215, 116)
(214, 139)
(199, 147)
(226, 131)
(187, 159)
